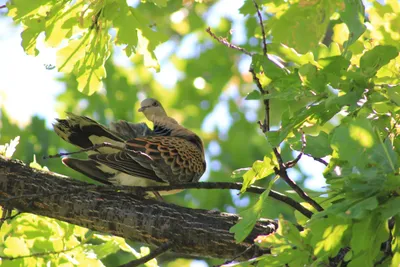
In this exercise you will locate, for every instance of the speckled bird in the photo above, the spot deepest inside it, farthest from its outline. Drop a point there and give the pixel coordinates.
(168, 154)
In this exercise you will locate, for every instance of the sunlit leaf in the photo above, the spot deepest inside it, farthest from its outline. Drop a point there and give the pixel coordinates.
(353, 16)
(250, 216)
(374, 59)
(8, 150)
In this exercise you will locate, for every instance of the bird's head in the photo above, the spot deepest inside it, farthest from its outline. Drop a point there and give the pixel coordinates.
(151, 108)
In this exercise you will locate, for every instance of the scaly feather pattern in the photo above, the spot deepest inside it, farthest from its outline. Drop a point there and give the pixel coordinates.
(169, 154)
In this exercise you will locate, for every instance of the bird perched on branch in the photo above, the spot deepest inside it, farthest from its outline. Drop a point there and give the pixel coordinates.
(136, 155)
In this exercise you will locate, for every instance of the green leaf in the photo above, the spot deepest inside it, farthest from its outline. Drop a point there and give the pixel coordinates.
(390, 208)
(253, 95)
(160, 3)
(126, 25)
(250, 216)
(360, 209)
(15, 246)
(394, 94)
(36, 165)
(105, 249)
(328, 235)
(294, 123)
(366, 240)
(317, 146)
(239, 172)
(307, 24)
(396, 242)
(377, 57)
(260, 169)
(352, 141)
(353, 16)
(261, 63)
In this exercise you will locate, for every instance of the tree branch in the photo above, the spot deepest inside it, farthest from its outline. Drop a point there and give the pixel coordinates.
(206, 233)
(226, 43)
(215, 185)
(282, 172)
(262, 28)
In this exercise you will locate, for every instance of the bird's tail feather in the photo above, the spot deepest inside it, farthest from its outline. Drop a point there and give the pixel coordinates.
(89, 168)
(84, 132)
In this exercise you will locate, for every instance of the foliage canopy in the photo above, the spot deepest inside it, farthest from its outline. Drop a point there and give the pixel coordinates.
(331, 81)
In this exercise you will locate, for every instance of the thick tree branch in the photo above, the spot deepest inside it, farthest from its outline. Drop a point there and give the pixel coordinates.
(206, 233)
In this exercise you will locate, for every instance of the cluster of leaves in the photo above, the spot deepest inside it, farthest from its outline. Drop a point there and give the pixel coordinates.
(86, 26)
(352, 83)
(327, 74)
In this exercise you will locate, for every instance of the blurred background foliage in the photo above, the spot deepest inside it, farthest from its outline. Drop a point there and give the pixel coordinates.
(203, 85)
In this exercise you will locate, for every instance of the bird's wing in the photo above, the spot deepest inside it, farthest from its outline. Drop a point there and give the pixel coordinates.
(123, 162)
(168, 159)
(127, 130)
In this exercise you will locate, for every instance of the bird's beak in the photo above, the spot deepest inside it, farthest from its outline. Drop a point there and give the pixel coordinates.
(141, 109)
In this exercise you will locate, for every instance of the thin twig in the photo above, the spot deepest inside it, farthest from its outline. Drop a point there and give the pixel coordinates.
(262, 28)
(317, 159)
(335, 261)
(226, 43)
(7, 216)
(237, 256)
(3, 6)
(265, 126)
(154, 253)
(215, 185)
(292, 163)
(92, 148)
(284, 175)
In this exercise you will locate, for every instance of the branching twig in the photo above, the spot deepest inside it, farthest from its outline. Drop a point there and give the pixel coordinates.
(262, 28)
(284, 175)
(154, 253)
(237, 256)
(292, 163)
(317, 159)
(335, 261)
(226, 43)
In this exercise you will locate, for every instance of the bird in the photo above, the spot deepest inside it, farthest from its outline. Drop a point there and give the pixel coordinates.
(168, 154)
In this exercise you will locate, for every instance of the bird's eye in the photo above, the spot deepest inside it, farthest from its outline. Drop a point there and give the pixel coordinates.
(154, 104)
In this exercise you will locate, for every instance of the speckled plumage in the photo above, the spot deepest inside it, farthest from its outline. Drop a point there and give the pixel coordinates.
(168, 154)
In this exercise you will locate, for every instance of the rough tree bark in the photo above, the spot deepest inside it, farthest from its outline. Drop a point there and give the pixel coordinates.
(192, 232)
